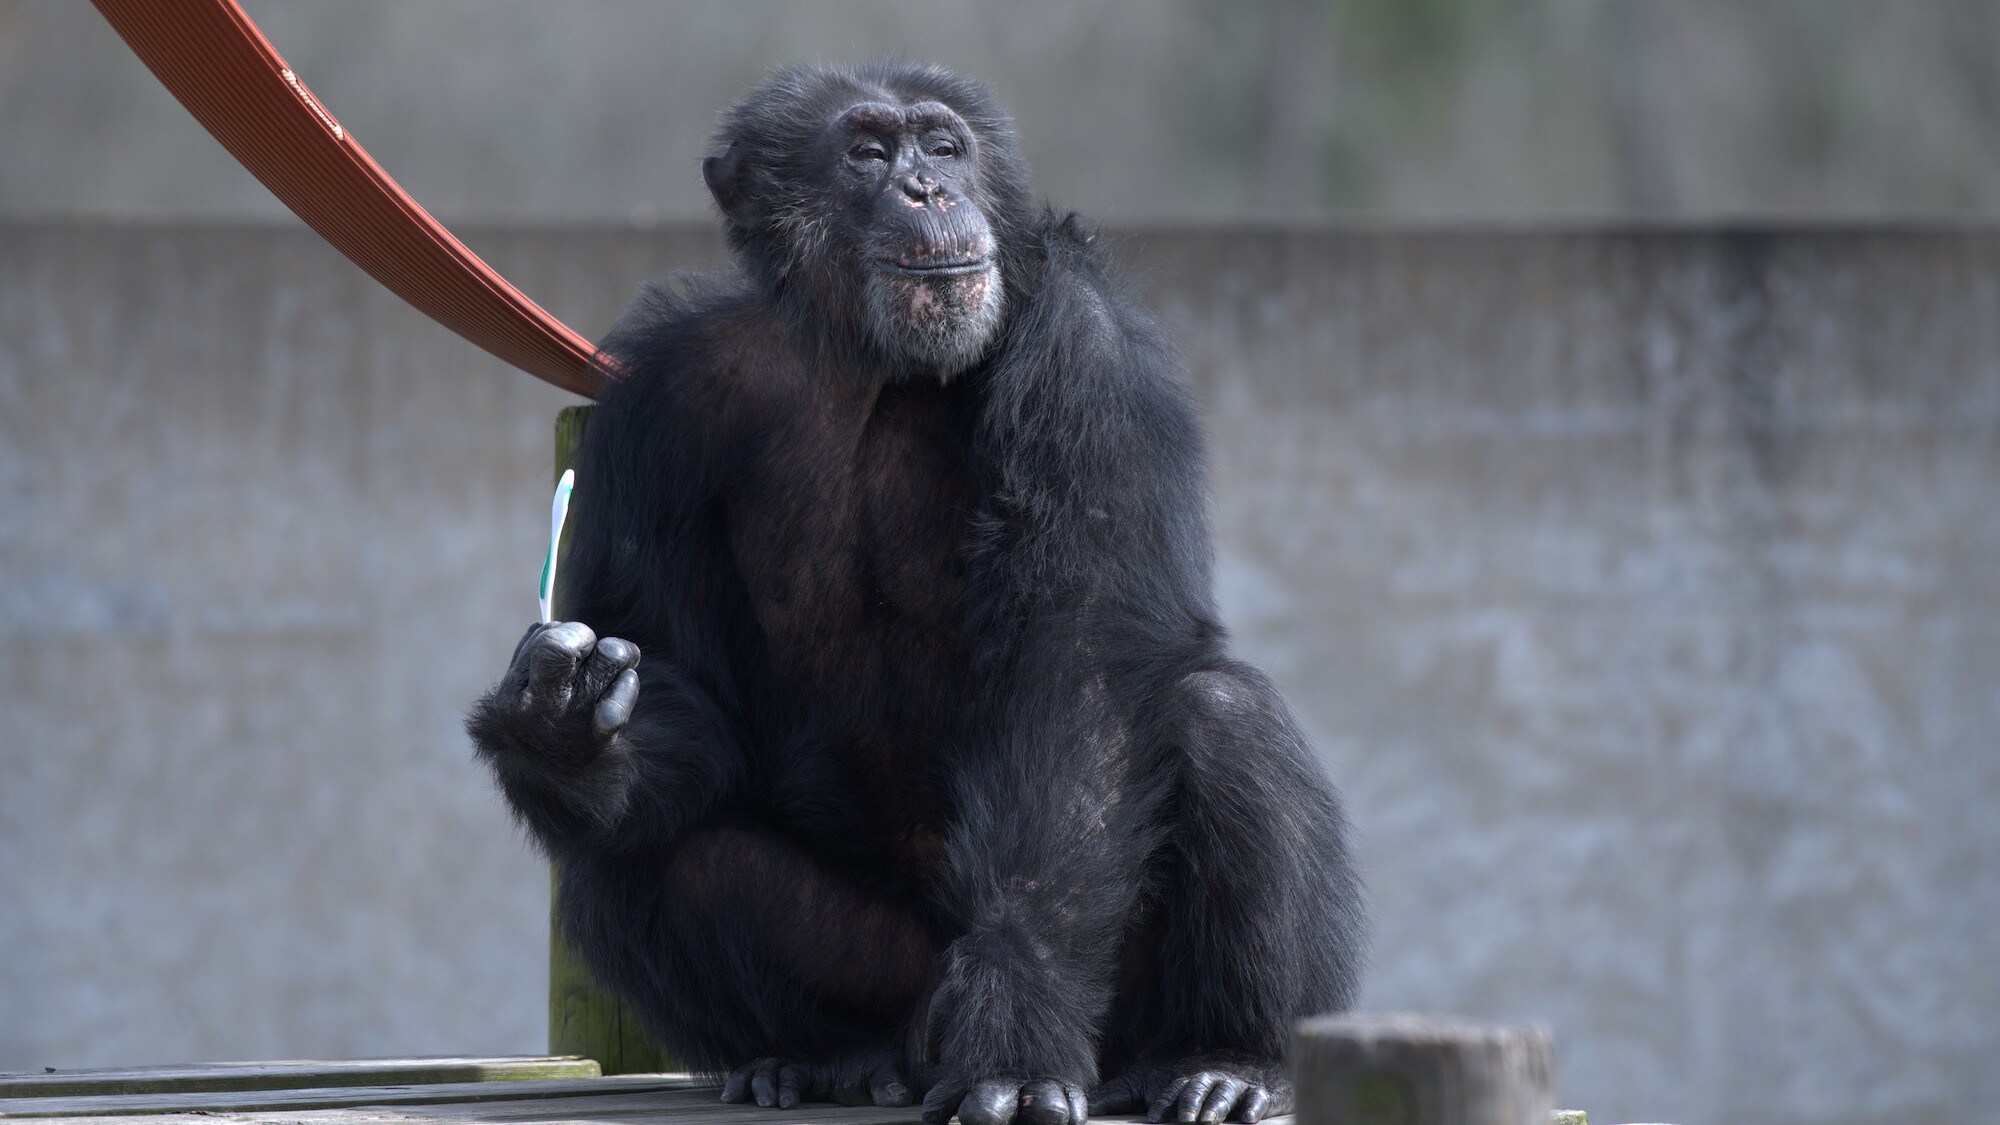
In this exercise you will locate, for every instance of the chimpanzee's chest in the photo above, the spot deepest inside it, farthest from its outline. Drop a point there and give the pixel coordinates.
(851, 533)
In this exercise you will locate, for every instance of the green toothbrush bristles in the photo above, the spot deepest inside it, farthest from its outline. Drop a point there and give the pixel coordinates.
(558, 512)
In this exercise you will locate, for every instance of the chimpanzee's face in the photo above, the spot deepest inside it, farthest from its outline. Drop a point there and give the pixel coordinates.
(907, 183)
(874, 212)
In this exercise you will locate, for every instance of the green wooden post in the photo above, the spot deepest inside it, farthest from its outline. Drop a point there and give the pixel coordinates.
(583, 1018)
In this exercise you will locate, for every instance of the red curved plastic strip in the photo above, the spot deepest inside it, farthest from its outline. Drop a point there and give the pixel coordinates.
(210, 56)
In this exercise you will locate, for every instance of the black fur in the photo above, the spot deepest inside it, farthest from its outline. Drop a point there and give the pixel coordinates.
(937, 771)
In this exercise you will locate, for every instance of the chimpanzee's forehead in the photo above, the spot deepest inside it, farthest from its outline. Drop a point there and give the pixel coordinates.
(888, 117)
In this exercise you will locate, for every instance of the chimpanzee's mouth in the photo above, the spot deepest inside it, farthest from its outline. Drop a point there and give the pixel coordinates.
(938, 269)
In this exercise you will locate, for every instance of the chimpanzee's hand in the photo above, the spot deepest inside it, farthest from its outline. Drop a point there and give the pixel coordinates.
(563, 675)
(550, 729)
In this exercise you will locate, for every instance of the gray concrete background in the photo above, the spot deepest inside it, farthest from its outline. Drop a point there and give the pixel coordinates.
(1642, 590)
(1133, 110)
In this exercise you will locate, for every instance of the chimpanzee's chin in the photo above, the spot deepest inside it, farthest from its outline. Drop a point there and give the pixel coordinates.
(941, 323)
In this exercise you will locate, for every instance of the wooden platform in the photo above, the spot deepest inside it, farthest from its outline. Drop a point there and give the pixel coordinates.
(518, 1091)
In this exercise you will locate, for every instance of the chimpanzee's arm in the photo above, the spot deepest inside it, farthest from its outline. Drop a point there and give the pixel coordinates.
(1092, 589)
(618, 728)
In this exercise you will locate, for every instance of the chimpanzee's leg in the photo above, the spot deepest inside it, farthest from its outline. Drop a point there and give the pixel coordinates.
(740, 950)
(1254, 917)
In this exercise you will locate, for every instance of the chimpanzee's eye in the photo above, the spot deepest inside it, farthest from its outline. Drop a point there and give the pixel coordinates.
(868, 150)
(944, 149)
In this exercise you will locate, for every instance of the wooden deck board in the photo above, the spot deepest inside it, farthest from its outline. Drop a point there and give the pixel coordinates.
(292, 1074)
(329, 1097)
(674, 1099)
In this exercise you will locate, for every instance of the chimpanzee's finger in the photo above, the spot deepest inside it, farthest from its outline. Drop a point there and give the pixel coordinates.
(615, 709)
(887, 1087)
(737, 1087)
(1221, 1099)
(764, 1083)
(1120, 1095)
(1191, 1098)
(521, 645)
(552, 661)
(788, 1087)
(611, 656)
(1164, 1104)
(514, 681)
(1251, 1109)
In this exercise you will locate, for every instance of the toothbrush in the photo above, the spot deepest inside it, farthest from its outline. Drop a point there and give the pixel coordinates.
(558, 512)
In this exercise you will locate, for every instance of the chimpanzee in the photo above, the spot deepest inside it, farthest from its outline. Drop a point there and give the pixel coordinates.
(935, 780)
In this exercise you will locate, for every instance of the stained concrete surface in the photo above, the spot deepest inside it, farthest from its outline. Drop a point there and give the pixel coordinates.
(1642, 590)
(1134, 110)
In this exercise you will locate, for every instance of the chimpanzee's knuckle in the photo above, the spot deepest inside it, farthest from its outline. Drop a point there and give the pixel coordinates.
(572, 637)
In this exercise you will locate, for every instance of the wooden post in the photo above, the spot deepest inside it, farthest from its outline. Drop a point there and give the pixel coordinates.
(583, 1018)
(1421, 1070)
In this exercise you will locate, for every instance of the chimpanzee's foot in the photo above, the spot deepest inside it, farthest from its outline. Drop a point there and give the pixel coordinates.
(1005, 1100)
(1201, 1090)
(866, 1076)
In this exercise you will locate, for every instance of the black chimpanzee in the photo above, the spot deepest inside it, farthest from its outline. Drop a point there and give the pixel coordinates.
(935, 780)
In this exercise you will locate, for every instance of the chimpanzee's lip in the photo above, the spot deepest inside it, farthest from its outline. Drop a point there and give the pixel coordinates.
(938, 269)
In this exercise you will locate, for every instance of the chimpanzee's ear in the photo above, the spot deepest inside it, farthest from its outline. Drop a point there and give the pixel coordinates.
(724, 176)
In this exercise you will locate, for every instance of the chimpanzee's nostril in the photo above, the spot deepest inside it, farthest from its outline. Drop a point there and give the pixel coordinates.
(918, 190)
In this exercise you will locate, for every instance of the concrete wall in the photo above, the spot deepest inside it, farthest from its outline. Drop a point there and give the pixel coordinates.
(1642, 590)
(1133, 110)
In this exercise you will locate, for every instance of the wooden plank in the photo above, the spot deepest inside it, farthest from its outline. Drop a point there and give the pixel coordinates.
(292, 1073)
(665, 1099)
(706, 1111)
(697, 1106)
(235, 1101)
(673, 1100)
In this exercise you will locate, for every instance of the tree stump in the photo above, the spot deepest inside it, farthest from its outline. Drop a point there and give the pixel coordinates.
(1398, 1069)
